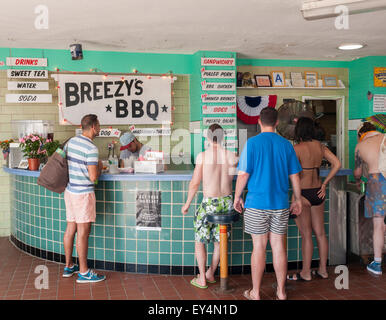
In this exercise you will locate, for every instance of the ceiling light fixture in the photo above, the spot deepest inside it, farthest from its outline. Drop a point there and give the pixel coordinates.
(320, 9)
(350, 46)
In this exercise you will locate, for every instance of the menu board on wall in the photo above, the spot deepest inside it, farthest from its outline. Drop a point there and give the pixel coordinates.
(27, 62)
(219, 86)
(222, 101)
(223, 121)
(27, 85)
(28, 98)
(217, 74)
(221, 109)
(33, 74)
(115, 99)
(151, 132)
(230, 62)
(218, 98)
(148, 210)
(379, 103)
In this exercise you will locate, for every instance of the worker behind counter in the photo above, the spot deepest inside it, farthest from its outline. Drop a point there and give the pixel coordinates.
(131, 148)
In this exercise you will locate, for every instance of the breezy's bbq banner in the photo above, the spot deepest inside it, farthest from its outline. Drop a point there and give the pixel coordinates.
(115, 99)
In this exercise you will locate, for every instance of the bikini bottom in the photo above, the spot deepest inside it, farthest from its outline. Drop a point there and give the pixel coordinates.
(312, 196)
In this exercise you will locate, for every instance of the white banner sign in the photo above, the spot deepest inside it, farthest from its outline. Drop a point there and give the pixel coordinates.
(109, 132)
(218, 109)
(151, 132)
(214, 74)
(33, 74)
(230, 144)
(218, 98)
(227, 144)
(227, 133)
(32, 62)
(28, 98)
(379, 103)
(226, 121)
(218, 62)
(27, 85)
(115, 99)
(223, 86)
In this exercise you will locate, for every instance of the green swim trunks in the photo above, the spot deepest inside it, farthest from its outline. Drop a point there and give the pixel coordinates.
(205, 231)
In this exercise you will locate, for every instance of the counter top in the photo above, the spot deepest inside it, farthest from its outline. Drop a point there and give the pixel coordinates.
(170, 175)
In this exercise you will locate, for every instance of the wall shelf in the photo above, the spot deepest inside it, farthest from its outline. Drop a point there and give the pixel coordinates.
(289, 86)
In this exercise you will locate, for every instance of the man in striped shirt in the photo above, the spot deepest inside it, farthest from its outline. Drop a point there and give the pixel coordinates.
(84, 168)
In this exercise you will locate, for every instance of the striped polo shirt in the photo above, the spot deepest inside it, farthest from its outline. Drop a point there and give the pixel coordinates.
(81, 152)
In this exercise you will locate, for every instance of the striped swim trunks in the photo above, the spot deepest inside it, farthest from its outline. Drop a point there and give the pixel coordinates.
(258, 221)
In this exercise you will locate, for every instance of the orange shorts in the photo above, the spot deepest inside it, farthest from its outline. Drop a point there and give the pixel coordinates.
(80, 208)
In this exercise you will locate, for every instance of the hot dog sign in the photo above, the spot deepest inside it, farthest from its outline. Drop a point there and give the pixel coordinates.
(115, 99)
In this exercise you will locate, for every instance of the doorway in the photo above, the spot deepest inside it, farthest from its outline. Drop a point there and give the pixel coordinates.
(329, 113)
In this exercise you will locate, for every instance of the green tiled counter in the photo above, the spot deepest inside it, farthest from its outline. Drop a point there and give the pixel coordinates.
(38, 222)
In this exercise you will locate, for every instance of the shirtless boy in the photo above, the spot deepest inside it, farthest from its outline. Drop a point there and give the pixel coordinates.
(367, 152)
(216, 168)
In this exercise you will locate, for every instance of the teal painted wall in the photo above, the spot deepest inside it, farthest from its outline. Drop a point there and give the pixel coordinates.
(106, 61)
(361, 81)
(292, 63)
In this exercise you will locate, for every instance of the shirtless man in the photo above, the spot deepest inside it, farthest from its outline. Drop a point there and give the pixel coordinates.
(216, 168)
(367, 152)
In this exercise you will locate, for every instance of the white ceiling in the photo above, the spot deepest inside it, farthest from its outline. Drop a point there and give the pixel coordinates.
(265, 29)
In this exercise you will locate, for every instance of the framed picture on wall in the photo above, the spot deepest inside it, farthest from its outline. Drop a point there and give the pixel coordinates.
(330, 81)
(278, 78)
(296, 79)
(311, 79)
(263, 80)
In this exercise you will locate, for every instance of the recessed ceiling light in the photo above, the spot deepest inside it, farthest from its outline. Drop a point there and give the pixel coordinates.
(350, 46)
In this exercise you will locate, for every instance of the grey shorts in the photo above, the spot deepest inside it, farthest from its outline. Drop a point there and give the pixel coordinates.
(258, 221)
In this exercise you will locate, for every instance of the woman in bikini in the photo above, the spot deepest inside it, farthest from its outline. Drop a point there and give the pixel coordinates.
(310, 153)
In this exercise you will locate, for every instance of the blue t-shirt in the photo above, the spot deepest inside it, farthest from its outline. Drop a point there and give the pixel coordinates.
(270, 160)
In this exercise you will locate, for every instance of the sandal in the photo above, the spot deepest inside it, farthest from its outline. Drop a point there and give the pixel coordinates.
(319, 275)
(298, 278)
(247, 294)
(193, 282)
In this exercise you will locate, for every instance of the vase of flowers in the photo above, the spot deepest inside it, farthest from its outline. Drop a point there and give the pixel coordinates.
(33, 148)
(4, 145)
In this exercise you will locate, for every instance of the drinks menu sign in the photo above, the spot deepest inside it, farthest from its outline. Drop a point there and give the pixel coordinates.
(30, 62)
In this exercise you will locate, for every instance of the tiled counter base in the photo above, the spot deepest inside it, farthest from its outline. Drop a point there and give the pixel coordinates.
(39, 220)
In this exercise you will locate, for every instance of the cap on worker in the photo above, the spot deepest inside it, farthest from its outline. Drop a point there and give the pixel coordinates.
(126, 139)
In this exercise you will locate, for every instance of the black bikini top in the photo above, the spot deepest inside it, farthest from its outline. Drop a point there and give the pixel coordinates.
(317, 169)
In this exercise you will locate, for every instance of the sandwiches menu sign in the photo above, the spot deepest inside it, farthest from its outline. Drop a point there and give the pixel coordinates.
(115, 99)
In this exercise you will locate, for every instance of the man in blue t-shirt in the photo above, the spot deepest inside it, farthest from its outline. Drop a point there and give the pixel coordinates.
(265, 164)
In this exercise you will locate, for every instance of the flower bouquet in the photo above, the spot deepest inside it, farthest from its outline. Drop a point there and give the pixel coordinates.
(4, 145)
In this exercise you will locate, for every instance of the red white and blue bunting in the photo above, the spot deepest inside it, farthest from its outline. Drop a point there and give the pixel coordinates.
(248, 108)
